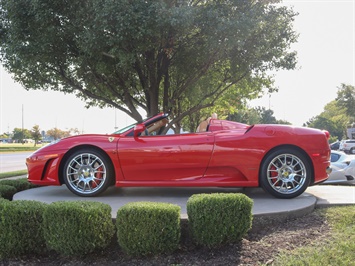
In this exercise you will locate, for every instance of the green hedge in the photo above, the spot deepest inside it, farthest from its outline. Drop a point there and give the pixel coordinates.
(219, 218)
(20, 228)
(30, 185)
(145, 228)
(19, 184)
(78, 227)
(7, 192)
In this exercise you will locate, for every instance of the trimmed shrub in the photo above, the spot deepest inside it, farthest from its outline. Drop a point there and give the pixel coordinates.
(29, 184)
(21, 228)
(219, 218)
(19, 184)
(78, 227)
(7, 192)
(145, 228)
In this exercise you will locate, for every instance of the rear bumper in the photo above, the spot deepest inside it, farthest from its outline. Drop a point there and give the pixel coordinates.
(321, 166)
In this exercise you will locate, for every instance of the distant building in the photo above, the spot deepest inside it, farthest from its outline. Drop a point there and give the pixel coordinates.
(46, 138)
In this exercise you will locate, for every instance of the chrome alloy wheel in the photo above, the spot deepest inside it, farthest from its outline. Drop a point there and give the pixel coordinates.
(86, 173)
(286, 173)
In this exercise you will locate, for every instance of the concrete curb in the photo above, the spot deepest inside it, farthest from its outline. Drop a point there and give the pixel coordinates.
(266, 208)
(264, 204)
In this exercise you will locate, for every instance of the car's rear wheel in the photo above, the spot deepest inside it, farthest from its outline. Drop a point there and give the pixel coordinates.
(285, 173)
(352, 151)
(87, 172)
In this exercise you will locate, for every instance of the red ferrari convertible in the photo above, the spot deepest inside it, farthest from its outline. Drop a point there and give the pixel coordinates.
(283, 160)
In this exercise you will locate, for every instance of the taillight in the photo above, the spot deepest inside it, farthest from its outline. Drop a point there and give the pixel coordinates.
(327, 135)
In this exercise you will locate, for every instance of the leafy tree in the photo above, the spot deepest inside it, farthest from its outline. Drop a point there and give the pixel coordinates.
(267, 116)
(346, 99)
(4, 136)
(248, 116)
(19, 134)
(257, 115)
(36, 134)
(156, 55)
(57, 133)
(337, 114)
(332, 119)
(283, 122)
(74, 131)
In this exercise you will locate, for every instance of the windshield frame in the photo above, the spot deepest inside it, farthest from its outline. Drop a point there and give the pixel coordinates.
(124, 129)
(128, 130)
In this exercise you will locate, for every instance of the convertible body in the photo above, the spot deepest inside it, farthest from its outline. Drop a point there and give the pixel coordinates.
(284, 160)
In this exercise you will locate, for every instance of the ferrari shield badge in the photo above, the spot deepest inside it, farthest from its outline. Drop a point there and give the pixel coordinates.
(110, 139)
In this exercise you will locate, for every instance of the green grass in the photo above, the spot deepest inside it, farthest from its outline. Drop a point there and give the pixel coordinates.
(13, 147)
(338, 249)
(12, 174)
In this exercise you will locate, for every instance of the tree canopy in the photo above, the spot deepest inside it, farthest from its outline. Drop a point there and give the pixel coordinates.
(346, 100)
(256, 115)
(57, 133)
(20, 134)
(337, 114)
(36, 134)
(161, 55)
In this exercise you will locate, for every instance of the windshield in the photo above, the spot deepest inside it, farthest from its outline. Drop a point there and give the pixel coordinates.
(152, 121)
(120, 131)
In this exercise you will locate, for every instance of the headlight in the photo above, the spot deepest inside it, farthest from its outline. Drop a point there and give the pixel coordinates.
(49, 144)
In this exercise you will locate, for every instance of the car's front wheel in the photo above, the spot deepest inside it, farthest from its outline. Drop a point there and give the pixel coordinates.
(87, 172)
(285, 173)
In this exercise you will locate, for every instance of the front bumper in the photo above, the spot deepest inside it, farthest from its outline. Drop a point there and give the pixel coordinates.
(43, 169)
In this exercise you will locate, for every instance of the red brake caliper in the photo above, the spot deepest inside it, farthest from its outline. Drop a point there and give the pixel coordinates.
(273, 174)
(98, 175)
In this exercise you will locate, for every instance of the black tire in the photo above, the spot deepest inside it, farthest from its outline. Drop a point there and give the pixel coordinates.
(285, 173)
(352, 151)
(88, 172)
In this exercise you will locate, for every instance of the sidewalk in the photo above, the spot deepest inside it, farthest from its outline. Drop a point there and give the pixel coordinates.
(264, 204)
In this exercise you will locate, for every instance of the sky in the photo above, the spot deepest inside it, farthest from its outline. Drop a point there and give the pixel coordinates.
(326, 59)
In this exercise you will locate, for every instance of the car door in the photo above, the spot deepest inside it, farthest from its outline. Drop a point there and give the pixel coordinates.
(165, 158)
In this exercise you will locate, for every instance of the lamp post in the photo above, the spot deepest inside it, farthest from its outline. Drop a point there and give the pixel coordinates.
(23, 134)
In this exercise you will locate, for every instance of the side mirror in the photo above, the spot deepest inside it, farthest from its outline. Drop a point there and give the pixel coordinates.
(138, 129)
